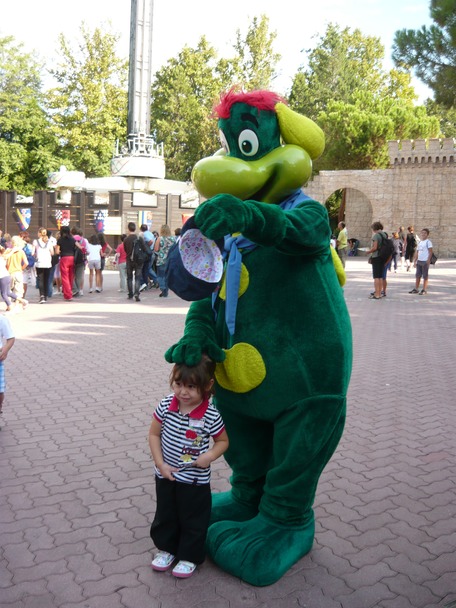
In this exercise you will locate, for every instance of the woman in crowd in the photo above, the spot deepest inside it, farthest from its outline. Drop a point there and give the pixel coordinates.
(121, 261)
(79, 269)
(94, 261)
(162, 247)
(106, 250)
(5, 284)
(66, 246)
(43, 252)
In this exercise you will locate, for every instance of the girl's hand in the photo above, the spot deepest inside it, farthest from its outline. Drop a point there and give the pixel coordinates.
(203, 461)
(167, 471)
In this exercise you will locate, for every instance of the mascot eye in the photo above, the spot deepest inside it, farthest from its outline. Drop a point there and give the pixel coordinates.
(248, 142)
(224, 142)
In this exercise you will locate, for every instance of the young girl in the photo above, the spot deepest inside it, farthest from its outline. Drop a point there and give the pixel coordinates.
(5, 284)
(179, 436)
(94, 263)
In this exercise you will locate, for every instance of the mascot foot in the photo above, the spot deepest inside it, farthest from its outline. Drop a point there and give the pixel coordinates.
(226, 508)
(258, 551)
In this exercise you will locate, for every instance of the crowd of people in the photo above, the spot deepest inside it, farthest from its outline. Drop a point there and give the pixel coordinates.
(146, 271)
(58, 263)
(409, 249)
(410, 252)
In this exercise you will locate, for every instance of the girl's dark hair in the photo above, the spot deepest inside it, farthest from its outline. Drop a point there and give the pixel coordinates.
(65, 231)
(93, 239)
(101, 238)
(200, 375)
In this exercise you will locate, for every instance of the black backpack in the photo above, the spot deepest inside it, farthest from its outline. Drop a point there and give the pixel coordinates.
(386, 249)
(138, 253)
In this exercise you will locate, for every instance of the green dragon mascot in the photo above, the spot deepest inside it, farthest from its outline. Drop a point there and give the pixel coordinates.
(278, 329)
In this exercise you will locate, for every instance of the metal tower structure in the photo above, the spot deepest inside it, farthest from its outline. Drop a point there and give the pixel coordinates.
(141, 156)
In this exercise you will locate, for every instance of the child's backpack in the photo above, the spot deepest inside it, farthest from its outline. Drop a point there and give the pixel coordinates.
(386, 250)
(138, 253)
(30, 256)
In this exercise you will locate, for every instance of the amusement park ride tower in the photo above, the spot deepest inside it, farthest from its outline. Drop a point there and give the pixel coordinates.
(141, 157)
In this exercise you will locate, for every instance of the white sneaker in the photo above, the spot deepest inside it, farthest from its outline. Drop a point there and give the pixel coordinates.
(81, 293)
(90, 290)
(184, 569)
(162, 561)
(143, 287)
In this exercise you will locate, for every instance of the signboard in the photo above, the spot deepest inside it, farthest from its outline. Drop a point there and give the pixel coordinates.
(144, 199)
(113, 225)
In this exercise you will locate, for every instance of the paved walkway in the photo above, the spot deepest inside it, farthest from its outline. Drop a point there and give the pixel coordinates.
(76, 493)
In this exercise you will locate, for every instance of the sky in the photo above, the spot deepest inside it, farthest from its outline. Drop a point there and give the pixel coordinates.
(38, 23)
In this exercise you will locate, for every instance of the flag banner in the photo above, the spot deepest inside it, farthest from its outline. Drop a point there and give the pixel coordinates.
(100, 218)
(62, 217)
(23, 218)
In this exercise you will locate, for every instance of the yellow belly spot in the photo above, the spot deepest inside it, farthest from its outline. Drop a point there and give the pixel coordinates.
(243, 283)
(243, 369)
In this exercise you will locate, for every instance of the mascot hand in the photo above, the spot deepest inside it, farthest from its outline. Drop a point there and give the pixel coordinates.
(189, 351)
(223, 214)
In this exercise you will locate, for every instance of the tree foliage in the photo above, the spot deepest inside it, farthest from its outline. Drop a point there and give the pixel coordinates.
(27, 148)
(187, 87)
(431, 51)
(89, 105)
(255, 58)
(359, 106)
(183, 94)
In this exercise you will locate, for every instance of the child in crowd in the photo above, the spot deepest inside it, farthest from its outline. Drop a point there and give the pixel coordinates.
(5, 284)
(182, 425)
(94, 263)
(6, 343)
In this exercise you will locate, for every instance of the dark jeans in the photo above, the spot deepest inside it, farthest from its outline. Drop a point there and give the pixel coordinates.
(148, 272)
(137, 270)
(50, 281)
(43, 281)
(181, 519)
(163, 283)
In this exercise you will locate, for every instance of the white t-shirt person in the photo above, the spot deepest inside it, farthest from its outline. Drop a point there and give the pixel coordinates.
(423, 250)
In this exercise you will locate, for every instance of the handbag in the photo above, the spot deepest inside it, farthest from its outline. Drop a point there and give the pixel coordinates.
(434, 258)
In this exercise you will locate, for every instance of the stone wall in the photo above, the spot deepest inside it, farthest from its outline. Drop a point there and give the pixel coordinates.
(418, 189)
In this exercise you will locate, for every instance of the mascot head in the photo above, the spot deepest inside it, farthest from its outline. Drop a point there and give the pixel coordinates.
(267, 149)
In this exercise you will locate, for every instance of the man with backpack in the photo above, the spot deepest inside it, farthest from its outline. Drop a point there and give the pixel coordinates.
(135, 261)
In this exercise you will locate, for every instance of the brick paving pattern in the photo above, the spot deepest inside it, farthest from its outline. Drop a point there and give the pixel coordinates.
(76, 478)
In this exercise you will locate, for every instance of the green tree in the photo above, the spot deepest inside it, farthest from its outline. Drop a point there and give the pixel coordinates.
(359, 106)
(445, 116)
(89, 105)
(431, 51)
(255, 58)
(27, 148)
(183, 94)
(341, 63)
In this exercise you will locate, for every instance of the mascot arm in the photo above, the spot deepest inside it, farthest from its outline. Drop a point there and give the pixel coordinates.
(198, 338)
(304, 229)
